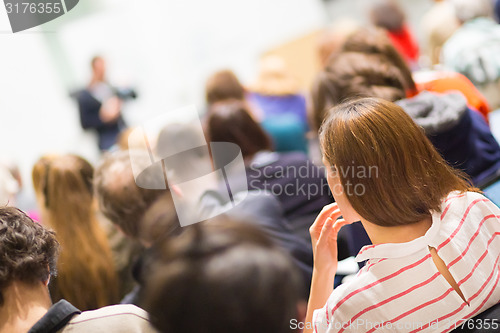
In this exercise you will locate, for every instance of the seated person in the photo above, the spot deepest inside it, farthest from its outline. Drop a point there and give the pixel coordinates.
(28, 257)
(277, 95)
(125, 204)
(86, 271)
(435, 253)
(460, 134)
(223, 276)
(374, 41)
(299, 185)
(389, 15)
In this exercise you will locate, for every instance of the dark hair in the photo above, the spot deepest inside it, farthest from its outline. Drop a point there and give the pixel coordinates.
(28, 251)
(222, 276)
(352, 74)
(120, 199)
(387, 14)
(230, 121)
(403, 177)
(160, 221)
(375, 41)
(223, 85)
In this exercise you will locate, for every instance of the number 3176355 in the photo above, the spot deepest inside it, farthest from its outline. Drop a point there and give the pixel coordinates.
(33, 8)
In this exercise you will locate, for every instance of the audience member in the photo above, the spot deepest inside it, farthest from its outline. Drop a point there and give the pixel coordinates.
(28, 257)
(223, 276)
(277, 95)
(120, 199)
(125, 204)
(460, 134)
(437, 25)
(86, 274)
(373, 41)
(223, 85)
(9, 186)
(301, 195)
(435, 256)
(228, 193)
(389, 15)
(473, 49)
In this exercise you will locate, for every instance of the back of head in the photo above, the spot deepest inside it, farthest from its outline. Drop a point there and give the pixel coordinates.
(275, 78)
(160, 221)
(375, 41)
(232, 122)
(223, 85)
(466, 10)
(389, 170)
(64, 187)
(28, 251)
(120, 199)
(387, 14)
(352, 74)
(222, 277)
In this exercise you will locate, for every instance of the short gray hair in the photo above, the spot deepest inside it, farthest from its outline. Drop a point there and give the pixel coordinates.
(466, 10)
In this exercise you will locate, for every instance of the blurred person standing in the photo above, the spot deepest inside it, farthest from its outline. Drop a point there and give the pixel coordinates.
(100, 105)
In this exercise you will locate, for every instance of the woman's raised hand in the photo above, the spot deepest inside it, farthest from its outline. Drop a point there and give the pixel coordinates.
(324, 233)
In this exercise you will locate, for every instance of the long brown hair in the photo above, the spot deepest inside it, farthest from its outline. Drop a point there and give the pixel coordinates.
(86, 275)
(390, 171)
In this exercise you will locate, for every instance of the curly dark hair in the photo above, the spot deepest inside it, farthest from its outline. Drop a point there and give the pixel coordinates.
(28, 251)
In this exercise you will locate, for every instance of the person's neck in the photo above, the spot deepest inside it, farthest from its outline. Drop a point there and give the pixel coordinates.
(24, 304)
(95, 80)
(397, 234)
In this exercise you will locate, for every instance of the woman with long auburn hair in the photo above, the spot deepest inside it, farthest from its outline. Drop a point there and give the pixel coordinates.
(86, 276)
(435, 256)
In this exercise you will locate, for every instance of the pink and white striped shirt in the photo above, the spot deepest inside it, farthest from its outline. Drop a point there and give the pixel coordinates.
(400, 288)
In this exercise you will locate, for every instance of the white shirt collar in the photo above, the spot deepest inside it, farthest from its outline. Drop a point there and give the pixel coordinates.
(398, 250)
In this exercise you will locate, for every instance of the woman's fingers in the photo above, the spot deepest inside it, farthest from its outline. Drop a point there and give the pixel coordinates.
(326, 213)
(327, 230)
(339, 224)
(328, 210)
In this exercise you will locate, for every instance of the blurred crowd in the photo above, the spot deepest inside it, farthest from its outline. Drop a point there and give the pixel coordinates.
(96, 239)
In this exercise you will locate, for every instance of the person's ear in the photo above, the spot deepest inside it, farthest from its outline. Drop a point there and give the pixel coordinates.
(47, 281)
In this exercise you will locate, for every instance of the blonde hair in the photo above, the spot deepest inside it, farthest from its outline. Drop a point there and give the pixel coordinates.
(275, 78)
(86, 275)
